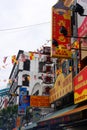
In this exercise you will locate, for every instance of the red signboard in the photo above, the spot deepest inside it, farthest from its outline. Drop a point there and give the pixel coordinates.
(59, 20)
(80, 86)
(60, 17)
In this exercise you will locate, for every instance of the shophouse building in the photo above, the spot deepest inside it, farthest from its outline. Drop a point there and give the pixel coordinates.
(34, 71)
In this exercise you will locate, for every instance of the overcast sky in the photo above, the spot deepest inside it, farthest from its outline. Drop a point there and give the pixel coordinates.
(35, 18)
(24, 25)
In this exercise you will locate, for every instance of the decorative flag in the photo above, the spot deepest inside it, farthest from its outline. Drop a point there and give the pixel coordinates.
(28, 78)
(75, 44)
(3, 66)
(35, 77)
(4, 80)
(4, 60)
(23, 78)
(31, 56)
(23, 58)
(14, 59)
(10, 81)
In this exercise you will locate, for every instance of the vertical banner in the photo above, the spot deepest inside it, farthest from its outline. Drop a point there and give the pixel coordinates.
(24, 101)
(61, 16)
(82, 32)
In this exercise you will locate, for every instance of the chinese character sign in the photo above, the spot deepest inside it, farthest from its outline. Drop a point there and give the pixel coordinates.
(61, 17)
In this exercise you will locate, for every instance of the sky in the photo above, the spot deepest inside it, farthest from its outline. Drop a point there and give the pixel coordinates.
(24, 25)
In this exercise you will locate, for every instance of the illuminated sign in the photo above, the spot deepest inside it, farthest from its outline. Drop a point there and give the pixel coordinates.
(80, 86)
(39, 101)
(60, 17)
(61, 87)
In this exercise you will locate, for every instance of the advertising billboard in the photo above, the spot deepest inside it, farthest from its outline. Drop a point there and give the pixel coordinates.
(61, 16)
(80, 86)
(39, 101)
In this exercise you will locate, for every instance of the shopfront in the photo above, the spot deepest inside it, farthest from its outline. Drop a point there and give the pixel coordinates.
(72, 120)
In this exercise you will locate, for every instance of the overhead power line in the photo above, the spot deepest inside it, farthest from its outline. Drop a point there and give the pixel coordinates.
(23, 27)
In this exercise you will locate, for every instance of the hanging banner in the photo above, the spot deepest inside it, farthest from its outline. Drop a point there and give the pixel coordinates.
(80, 86)
(82, 32)
(24, 101)
(61, 16)
(22, 96)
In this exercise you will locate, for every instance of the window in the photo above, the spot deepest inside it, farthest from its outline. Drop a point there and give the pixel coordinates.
(48, 60)
(41, 65)
(64, 68)
(48, 69)
(25, 81)
(26, 65)
(48, 80)
(36, 93)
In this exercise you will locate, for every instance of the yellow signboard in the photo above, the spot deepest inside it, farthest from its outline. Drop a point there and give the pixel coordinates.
(60, 52)
(63, 86)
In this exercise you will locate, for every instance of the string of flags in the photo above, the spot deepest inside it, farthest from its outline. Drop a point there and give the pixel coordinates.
(22, 58)
(13, 60)
(31, 56)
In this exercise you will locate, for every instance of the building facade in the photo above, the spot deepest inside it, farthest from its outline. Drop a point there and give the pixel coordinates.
(34, 71)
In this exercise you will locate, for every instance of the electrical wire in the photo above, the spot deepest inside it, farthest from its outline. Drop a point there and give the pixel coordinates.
(23, 27)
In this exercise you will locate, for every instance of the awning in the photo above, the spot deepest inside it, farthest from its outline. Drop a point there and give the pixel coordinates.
(70, 116)
(58, 113)
(29, 126)
(65, 116)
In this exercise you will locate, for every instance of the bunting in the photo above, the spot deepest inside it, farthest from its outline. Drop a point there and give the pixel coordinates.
(22, 57)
